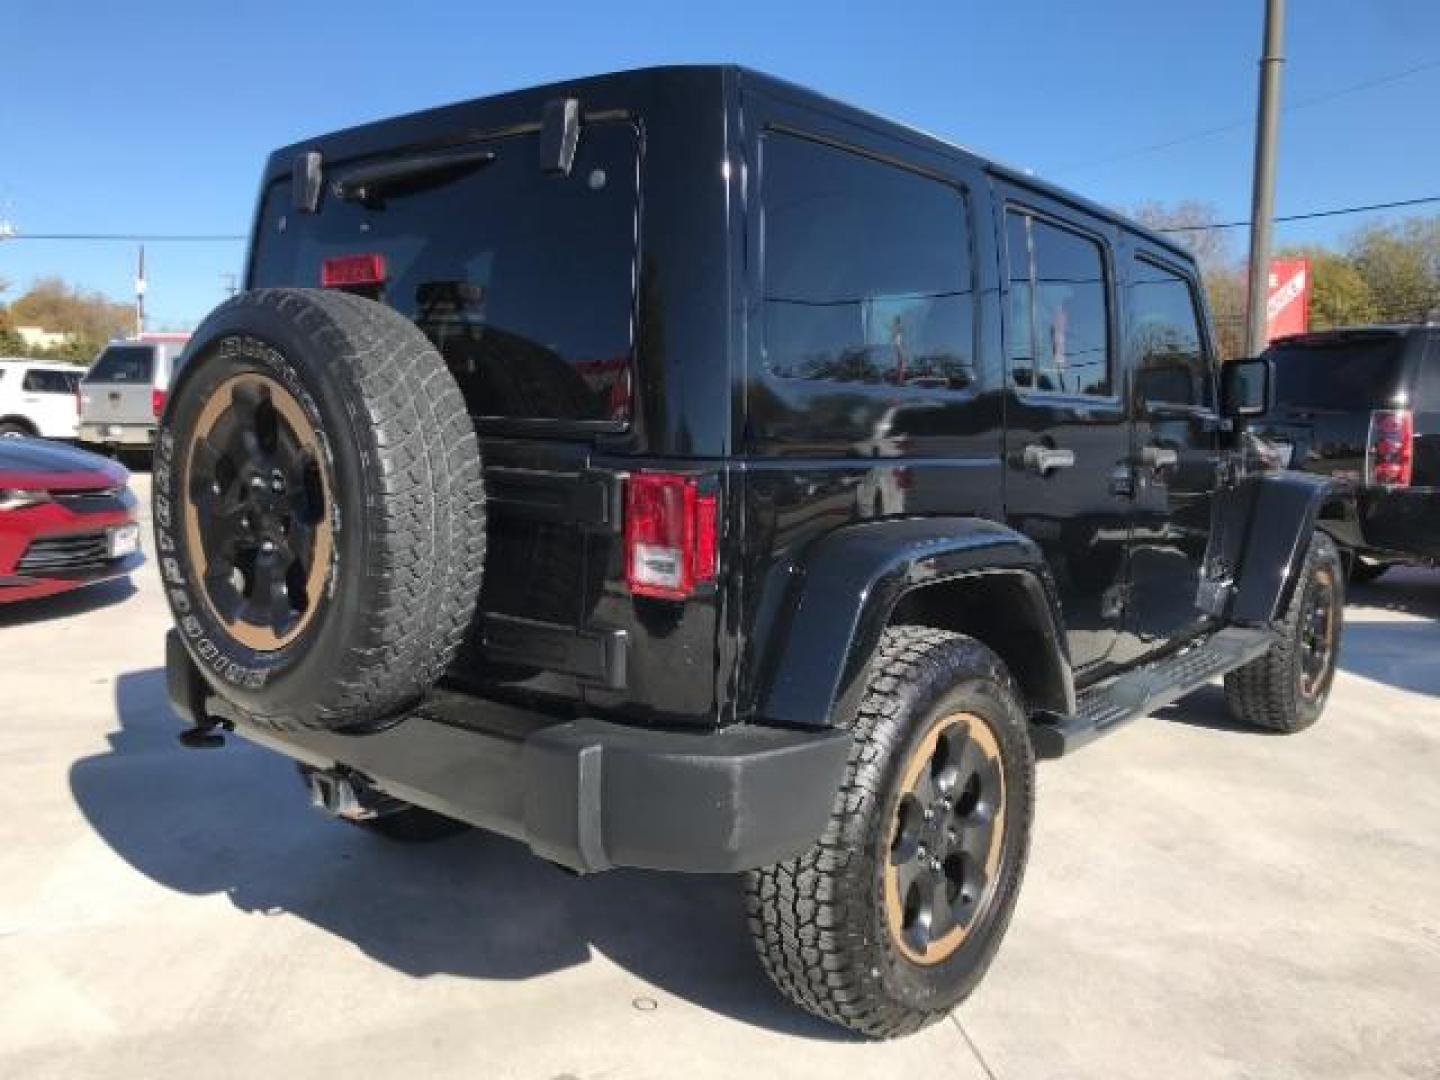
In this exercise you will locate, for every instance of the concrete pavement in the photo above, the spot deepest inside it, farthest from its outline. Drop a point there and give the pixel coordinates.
(1202, 901)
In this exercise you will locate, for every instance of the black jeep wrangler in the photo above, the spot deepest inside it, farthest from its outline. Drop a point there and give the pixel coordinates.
(1362, 405)
(679, 469)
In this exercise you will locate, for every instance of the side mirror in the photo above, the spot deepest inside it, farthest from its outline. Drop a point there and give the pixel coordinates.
(1245, 387)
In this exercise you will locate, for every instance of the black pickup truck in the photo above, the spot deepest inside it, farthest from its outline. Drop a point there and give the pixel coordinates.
(680, 469)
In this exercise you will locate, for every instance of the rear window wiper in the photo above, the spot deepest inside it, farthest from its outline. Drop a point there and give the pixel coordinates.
(370, 184)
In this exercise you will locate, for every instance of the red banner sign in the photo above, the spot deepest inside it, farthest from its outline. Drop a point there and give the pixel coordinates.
(1288, 309)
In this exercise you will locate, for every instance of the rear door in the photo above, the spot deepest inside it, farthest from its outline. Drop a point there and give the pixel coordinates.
(117, 388)
(1067, 440)
(1171, 364)
(48, 396)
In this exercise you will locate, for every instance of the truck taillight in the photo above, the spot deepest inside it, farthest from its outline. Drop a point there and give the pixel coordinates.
(1390, 450)
(157, 402)
(671, 535)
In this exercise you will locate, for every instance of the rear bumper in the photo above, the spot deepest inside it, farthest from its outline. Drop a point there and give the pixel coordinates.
(589, 794)
(1402, 522)
(118, 434)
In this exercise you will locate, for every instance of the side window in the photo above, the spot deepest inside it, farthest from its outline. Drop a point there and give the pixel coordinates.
(1171, 364)
(866, 270)
(46, 382)
(1059, 338)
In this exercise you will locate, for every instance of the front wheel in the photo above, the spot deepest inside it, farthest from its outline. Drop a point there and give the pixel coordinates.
(891, 918)
(1286, 689)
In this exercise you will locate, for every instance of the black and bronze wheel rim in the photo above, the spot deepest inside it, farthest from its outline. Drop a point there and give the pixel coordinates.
(948, 835)
(1319, 628)
(258, 517)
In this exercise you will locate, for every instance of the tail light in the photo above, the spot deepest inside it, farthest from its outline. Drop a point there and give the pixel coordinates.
(351, 271)
(670, 535)
(1390, 451)
(157, 402)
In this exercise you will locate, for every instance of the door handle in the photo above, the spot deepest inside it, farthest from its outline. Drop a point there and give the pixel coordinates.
(1158, 457)
(1044, 460)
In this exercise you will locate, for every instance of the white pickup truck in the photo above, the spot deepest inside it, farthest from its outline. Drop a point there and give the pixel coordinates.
(123, 393)
(38, 398)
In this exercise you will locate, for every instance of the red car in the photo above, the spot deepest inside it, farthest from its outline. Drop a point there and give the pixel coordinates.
(67, 519)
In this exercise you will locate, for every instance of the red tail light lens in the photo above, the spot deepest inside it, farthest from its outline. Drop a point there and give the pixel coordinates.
(671, 535)
(1390, 454)
(345, 271)
(157, 402)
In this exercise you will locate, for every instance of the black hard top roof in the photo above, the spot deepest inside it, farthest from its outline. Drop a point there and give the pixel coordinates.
(607, 90)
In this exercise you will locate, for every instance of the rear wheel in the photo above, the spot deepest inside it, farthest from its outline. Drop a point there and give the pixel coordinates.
(893, 916)
(1286, 689)
(13, 429)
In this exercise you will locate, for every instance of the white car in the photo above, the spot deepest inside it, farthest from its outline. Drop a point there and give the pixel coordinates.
(39, 398)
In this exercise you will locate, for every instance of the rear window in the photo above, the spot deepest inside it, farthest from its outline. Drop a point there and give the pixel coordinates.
(1349, 373)
(524, 281)
(124, 364)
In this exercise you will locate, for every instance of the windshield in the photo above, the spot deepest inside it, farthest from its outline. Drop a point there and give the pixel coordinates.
(1346, 373)
(524, 281)
(123, 363)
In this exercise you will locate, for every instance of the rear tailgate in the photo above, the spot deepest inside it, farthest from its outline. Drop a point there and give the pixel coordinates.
(525, 280)
(1326, 386)
(118, 387)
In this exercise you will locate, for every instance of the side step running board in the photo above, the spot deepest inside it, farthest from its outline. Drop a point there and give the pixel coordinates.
(1138, 693)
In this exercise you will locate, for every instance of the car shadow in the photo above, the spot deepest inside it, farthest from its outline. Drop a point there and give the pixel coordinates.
(1397, 652)
(63, 605)
(478, 906)
(1407, 590)
(1206, 708)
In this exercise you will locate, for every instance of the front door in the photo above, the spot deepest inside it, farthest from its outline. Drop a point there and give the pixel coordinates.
(1175, 464)
(1067, 441)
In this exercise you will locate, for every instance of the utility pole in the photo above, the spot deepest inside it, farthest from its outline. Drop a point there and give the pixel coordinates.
(1262, 202)
(140, 294)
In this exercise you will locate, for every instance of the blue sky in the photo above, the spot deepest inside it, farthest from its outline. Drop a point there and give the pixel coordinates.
(156, 117)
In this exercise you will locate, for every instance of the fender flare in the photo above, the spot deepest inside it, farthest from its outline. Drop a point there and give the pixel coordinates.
(835, 602)
(1281, 511)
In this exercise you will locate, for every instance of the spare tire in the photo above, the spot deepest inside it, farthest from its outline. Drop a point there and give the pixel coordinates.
(319, 510)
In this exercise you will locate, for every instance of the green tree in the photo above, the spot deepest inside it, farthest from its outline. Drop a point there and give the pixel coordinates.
(91, 318)
(1400, 263)
(1339, 296)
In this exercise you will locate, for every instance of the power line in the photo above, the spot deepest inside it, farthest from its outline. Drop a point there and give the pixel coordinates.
(1236, 125)
(146, 238)
(1307, 217)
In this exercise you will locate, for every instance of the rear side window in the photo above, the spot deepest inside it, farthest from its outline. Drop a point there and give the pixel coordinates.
(1171, 363)
(124, 364)
(1059, 330)
(866, 270)
(38, 381)
(524, 281)
(1339, 373)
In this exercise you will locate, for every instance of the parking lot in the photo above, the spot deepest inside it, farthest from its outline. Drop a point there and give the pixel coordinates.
(1202, 900)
